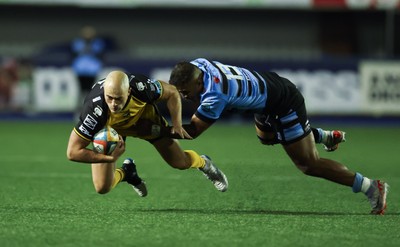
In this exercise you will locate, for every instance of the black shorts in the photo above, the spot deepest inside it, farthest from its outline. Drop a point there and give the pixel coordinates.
(285, 112)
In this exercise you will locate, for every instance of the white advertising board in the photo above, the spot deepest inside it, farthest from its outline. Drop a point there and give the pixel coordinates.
(55, 89)
(380, 87)
(327, 92)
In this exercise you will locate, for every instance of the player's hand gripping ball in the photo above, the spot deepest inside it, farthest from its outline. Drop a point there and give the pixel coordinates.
(105, 140)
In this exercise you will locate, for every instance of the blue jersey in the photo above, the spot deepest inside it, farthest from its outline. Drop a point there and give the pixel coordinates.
(88, 60)
(229, 87)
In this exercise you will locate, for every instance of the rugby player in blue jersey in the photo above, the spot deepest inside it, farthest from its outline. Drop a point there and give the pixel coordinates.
(280, 117)
(124, 102)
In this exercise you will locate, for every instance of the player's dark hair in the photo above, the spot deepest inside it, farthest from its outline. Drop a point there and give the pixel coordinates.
(182, 73)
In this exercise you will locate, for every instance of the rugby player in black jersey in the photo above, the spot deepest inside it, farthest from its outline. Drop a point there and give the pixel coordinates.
(127, 103)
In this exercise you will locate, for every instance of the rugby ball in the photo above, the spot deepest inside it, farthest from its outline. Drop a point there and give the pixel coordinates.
(105, 140)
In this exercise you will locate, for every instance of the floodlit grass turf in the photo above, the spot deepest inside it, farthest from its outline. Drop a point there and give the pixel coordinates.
(45, 200)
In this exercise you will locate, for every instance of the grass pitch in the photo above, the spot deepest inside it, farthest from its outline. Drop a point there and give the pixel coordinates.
(46, 200)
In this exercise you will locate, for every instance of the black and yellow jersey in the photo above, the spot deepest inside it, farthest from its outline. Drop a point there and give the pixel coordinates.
(95, 114)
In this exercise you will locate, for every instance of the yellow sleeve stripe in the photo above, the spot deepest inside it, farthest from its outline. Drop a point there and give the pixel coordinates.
(83, 137)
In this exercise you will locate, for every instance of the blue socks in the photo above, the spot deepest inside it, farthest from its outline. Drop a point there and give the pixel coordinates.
(358, 180)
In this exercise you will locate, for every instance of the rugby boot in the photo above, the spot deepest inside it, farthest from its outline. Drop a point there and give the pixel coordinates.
(132, 177)
(376, 194)
(334, 138)
(215, 175)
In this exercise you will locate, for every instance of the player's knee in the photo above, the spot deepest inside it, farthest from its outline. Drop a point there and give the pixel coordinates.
(313, 172)
(102, 188)
(103, 191)
(180, 167)
(304, 168)
(308, 168)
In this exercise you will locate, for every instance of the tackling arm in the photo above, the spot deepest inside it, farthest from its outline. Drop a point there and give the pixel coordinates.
(194, 129)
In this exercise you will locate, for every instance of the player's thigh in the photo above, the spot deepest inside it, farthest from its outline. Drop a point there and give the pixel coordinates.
(171, 152)
(266, 128)
(103, 173)
(303, 152)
